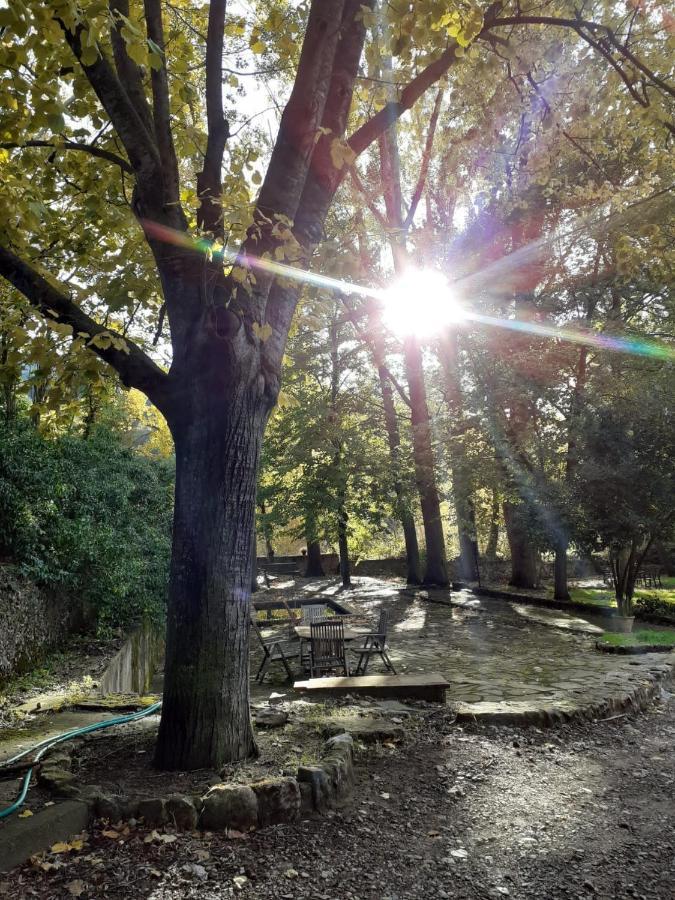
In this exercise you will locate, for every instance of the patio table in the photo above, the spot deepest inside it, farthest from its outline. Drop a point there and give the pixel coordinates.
(351, 634)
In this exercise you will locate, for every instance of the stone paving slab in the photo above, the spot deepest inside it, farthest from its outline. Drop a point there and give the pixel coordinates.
(498, 660)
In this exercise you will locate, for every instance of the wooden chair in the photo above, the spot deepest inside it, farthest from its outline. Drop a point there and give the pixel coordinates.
(374, 645)
(275, 649)
(327, 647)
(312, 612)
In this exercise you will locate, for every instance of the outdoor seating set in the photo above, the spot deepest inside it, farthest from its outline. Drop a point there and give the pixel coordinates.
(323, 645)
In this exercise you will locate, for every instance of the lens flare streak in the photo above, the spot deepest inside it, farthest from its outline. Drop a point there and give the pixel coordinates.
(455, 315)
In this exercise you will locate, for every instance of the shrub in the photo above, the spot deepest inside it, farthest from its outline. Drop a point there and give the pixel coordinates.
(653, 607)
(88, 516)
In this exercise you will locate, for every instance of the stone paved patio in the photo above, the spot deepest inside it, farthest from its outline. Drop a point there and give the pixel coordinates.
(499, 657)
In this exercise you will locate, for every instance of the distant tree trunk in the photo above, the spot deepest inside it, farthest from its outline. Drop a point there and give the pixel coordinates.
(465, 513)
(314, 564)
(412, 552)
(560, 587)
(435, 571)
(267, 532)
(345, 567)
(493, 536)
(524, 558)
(254, 564)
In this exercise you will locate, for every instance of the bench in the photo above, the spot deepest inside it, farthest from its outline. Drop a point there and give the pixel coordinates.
(430, 687)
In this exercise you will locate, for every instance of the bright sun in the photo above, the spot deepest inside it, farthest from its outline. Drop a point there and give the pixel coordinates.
(421, 303)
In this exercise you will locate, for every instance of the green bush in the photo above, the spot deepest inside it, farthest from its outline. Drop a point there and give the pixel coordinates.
(90, 517)
(653, 607)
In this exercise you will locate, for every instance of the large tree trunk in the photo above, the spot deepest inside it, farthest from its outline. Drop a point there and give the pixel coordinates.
(314, 564)
(217, 434)
(524, 557)
(435, 569)
(412, 551)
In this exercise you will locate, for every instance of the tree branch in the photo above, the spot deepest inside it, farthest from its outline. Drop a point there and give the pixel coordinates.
(126, 120)
(209, 180)
(128, 72)
(426, 159)
(91, 149)
(160, 103)
(134, 367)
(378, 124)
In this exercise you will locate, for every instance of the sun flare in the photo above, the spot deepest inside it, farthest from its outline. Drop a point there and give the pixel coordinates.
(421, 303)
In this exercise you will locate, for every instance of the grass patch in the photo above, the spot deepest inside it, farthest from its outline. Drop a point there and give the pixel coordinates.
(665, 638)
(593, 596)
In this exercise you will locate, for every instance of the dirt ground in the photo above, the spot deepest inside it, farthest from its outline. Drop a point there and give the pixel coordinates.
(479, 812)
(121, 763)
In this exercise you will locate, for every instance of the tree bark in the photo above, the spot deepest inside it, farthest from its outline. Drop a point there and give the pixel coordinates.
(217, 434)
(524, 557)
(314, 564)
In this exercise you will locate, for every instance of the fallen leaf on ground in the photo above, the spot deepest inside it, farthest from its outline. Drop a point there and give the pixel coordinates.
(109, 833)
(291, 873)
(26, 814)
(63, 847)
(240, 881)
(76, 888)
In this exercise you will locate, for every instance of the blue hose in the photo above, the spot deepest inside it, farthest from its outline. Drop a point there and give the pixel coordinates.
(43, 746)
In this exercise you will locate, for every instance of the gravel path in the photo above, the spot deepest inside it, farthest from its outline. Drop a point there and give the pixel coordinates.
(580, 811)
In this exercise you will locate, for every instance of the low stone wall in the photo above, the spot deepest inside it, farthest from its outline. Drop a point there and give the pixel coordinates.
(32, 622)
(243, 807)
(132, 668)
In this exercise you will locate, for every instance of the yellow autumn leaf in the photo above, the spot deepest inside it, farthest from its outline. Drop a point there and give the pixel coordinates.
(262, 332)
(341, 153)
(26, 814)
(59, 847)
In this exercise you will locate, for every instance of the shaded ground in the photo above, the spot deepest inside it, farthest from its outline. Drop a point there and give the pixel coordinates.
(580, 811)
(121, 762)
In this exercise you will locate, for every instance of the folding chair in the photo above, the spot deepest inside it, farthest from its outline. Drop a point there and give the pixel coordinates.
(327, 647)
(374, 645)
(275, 649)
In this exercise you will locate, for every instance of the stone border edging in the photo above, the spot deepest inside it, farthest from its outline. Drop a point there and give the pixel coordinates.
(547, 714)
(632, 649)
(242, 807)
(562, 605)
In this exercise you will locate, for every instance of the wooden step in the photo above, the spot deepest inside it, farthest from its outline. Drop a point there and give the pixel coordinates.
(431, 686)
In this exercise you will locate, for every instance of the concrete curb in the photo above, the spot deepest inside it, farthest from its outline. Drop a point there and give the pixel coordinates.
(22, 838)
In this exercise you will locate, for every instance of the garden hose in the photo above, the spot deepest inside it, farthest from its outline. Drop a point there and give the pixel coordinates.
(43, 746)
